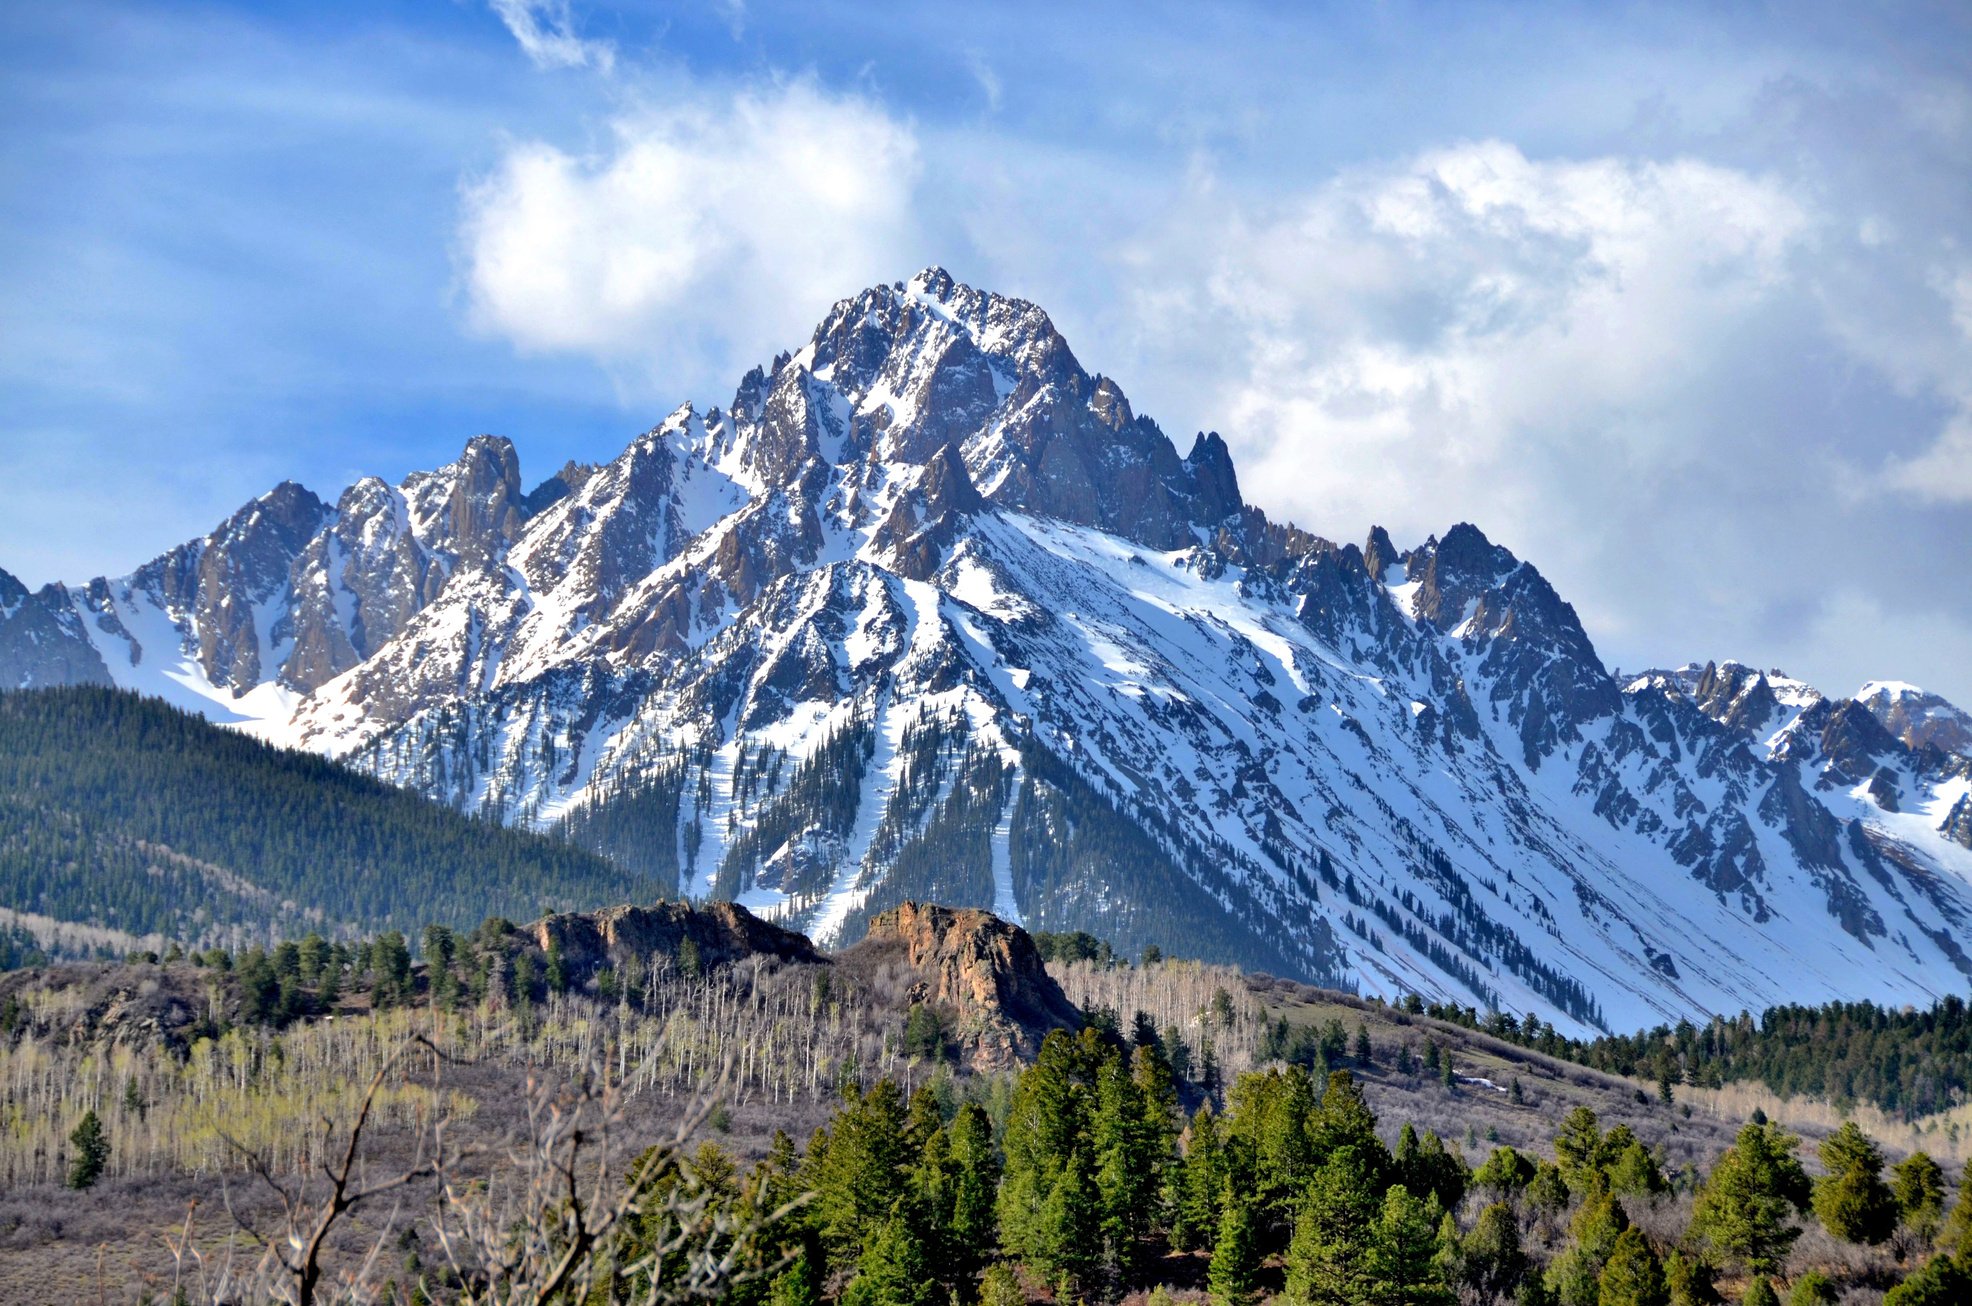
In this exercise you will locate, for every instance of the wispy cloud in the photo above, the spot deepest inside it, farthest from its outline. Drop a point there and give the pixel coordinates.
(546, 32)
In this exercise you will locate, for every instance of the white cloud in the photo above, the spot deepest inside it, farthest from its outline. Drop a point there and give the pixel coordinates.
(1411, 341)
(704, 238)
(546, 32)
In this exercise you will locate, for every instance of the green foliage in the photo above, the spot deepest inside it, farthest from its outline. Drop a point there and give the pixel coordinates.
(114, 808)
(1050, 1209)
(1760, 1293)
(92, 1152)
(1492, 1260)
(1690, 1281)
(1918, 1184)
(1813, 1288)
(857, 1168)
(1404, 1248)
(1505, 1171)
(1851, 1200)
(1199, 1185)
(924, 1034)
(1940, 1281)
(1329, 1258)
(1633, 1276)
(1427, 1168)
(1744, 1213)
(1235, 1268)
(893, 1269)
(1575, 1276)
(1547, 1191)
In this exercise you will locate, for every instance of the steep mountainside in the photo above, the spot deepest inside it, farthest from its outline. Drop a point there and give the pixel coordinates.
(929, 612)
(127, 815)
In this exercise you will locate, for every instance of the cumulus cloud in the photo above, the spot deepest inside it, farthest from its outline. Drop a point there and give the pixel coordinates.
(1425, 326)
(702, 238)
(546, 32)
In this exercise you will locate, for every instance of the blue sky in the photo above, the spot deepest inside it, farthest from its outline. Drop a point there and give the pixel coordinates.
(1676, 301)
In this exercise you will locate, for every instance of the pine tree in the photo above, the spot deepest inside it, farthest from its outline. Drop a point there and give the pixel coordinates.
(1851, 1200)
(1956, 1237)
(1918, 1184)
(1127, 1172)
(1633, 1276)
(92, 1152)
(1235, 1266)
(858, 1170)
(1813, 1288)
(1689, 1281)
(1492, 1259)
(1201, 1182)
(1578, 1147)
(1329, 1258)
(893, 1269)
(1760, 1293)
(1635, 1173)
(1404, 1253)
(1940, 1281)
(1744, 1213)
(1505, 1171)
(1547, 1191)
(1069, 1249)
(976, 1179)
(1575, 1276)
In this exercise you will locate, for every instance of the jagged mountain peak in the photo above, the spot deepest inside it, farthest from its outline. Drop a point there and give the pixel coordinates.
(931, 612)
(1918, 717)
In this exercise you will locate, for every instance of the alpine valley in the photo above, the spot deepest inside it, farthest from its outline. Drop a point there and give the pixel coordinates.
(927, 611)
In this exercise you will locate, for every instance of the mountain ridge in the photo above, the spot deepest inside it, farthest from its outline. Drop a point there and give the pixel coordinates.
(929, 611)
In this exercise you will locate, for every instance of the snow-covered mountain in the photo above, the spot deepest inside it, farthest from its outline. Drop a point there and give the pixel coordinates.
(928, 611)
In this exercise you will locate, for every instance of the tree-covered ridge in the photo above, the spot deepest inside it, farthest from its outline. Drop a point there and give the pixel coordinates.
(1910, 1062)
(124, 812)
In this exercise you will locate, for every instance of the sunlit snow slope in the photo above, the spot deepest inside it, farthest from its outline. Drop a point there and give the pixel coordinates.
(928, 611)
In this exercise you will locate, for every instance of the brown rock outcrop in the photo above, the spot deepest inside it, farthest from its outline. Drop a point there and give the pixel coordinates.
(722, 932)
(983, 974)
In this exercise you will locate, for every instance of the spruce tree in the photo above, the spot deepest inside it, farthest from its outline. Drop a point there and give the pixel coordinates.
(92, 1152)
(1851, 1199)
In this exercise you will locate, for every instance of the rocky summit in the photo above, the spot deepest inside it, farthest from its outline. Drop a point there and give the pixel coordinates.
(928, 611)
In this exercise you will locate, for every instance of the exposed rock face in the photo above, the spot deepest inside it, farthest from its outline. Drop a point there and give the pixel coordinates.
(723, 933)
(1919, 719)
(930, 612)
(982, 972)
(42, 641)
(1958, 822)
(110, 1004)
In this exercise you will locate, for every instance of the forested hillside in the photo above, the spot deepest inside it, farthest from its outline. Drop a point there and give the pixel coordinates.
(122, 812)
